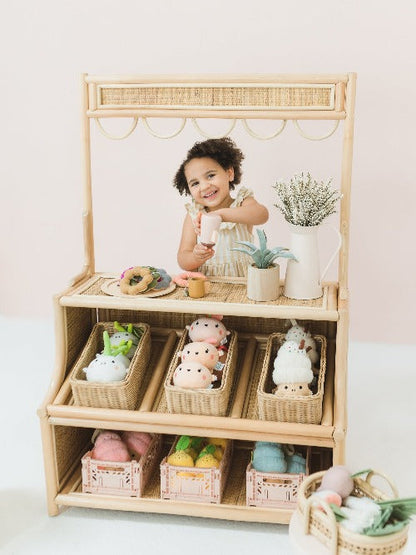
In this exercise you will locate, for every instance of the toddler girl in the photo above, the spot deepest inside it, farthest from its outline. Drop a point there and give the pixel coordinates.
(210, 171)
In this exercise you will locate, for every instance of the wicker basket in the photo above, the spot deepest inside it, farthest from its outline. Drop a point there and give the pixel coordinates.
(213, 401)
(274, 489)
(187, 483)
(303, 410)
(120, 478)
(320, 521)
(114, 395)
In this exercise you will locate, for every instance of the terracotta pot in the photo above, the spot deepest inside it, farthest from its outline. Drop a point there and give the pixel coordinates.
(263, 284)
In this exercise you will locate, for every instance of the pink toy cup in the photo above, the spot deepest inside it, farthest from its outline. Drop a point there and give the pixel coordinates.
(210, 224)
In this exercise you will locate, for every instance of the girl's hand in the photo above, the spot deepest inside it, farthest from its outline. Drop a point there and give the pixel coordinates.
(202, 253)
(197, 223)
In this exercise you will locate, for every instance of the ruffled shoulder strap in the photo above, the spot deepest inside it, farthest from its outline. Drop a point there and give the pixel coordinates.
(241, 195)
(193, 208)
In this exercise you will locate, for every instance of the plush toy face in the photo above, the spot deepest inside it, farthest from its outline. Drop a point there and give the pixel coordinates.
(202, 352)
(293, 390)
(192, 375)
(106, 368)
(120, 336)
(209, 330)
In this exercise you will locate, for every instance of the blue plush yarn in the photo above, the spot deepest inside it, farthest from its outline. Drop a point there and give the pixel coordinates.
(268, 457)
(296, 464)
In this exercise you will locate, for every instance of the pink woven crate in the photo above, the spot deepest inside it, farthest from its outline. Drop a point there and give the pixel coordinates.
(201, 485)
(126, 479)
(273, 489)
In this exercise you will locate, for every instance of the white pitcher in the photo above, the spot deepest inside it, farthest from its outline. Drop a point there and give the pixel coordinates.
(303, 278)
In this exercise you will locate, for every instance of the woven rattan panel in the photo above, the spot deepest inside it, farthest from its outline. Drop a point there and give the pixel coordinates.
(70, 444)
(215, 96)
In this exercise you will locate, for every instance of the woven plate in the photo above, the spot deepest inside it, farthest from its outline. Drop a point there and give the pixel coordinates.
(112, 287)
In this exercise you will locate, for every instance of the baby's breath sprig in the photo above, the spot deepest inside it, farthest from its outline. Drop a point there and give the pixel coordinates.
(305, 201)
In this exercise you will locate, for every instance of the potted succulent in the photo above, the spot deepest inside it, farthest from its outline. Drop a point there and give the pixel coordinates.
(263, 278)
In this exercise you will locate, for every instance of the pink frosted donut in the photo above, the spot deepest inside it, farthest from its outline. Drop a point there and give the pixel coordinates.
(182, 279)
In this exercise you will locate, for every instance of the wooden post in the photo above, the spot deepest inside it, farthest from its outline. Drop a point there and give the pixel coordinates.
(346, 172)
(87, 218)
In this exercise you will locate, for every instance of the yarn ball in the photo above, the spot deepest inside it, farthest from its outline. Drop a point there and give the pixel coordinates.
(109, 447)
(296, 464)
(136, 442)
(268, 457)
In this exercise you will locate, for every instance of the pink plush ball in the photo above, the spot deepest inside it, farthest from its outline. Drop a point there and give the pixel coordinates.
(109, 447)
(338, 479)
(137, 442)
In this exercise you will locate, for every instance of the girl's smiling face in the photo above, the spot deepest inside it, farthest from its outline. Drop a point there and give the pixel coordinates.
(209, 183)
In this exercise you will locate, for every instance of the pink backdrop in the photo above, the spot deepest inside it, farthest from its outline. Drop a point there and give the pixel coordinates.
(139, 214)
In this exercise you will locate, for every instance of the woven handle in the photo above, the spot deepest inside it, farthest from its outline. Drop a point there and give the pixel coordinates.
(390, 483)
(321, 504)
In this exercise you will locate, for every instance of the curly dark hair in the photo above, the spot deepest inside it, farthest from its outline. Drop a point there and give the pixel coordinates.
(223, 151)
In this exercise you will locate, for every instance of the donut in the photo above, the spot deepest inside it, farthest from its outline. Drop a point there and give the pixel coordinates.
(136, 280)
(182, 279)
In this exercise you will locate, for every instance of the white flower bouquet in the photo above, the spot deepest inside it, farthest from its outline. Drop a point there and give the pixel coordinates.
(305, 201)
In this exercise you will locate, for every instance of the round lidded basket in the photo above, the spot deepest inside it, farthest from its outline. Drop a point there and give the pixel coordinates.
(320, 520)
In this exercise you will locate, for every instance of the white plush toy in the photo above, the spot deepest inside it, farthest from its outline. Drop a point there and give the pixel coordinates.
(110, 366)
(292, 370)
(123, 335)
(297, 333)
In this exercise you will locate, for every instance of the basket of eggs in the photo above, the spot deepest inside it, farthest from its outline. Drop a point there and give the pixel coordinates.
(196, 469)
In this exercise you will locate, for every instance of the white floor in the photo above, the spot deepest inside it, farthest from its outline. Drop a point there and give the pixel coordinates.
(382, 424)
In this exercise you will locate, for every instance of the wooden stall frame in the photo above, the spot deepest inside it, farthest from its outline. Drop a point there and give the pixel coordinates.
(235, 97)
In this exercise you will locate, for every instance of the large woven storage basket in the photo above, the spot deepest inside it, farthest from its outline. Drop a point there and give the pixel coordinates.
(320, 521)
(213, 402)
(114, 395)
(303, 410)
